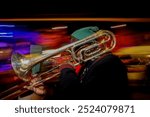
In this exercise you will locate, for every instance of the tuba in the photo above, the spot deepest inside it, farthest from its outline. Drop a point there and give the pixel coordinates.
(88, 48)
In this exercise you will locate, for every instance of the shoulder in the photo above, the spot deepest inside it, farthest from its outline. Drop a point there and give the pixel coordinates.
(107, 63)
(107, 59)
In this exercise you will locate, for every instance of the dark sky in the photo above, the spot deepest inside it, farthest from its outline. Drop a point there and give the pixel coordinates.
(73, 8)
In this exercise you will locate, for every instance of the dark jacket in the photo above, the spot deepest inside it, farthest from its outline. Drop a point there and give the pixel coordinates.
(104, 78)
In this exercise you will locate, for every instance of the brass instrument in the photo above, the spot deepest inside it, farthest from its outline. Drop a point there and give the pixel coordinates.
(88, 48)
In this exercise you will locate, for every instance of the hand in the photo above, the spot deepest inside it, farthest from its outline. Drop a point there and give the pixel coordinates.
(38, 89)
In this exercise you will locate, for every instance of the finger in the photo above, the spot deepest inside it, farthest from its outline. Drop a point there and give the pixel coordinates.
(41, 87)
(25, 87)
(28, 87)
(33, 81)
(37, 84)
(39, 91)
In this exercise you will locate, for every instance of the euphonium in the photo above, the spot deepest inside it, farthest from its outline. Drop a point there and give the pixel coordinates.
(80, 51)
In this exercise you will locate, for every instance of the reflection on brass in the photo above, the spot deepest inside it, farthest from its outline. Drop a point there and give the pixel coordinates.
(97, 44)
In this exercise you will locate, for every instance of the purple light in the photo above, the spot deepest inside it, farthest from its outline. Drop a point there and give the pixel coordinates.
(6, 34)
(5, 67)
(23, 51)
(3, 44)
(10, 26)
(16, 39)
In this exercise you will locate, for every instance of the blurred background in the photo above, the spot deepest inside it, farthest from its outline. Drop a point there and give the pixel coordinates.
(133, 46)
(25, 24)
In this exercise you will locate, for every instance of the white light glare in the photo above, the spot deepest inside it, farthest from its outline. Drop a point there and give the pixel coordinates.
(119, 26)
(60, 27)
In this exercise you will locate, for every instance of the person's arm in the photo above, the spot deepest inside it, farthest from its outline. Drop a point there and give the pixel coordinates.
(67, 88)
(68, 76)
(39, 91)
(69, 84)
